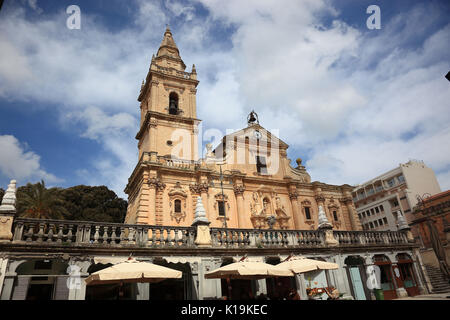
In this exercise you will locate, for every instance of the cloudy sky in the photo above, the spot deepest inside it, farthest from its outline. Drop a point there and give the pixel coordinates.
(350, 101)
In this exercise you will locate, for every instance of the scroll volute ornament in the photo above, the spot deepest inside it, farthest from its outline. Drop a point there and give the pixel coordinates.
(156, 183)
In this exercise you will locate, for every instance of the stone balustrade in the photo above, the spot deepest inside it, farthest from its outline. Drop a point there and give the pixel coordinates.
(172, 71)
(177, 163)
(83, 233)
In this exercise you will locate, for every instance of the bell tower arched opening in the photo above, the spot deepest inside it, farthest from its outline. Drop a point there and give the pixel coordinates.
(173, 103)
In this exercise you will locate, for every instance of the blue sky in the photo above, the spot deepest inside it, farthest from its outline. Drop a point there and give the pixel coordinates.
(351, 102)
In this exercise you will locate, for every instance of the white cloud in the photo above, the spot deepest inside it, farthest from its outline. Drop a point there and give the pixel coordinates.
(316, 83)
(115, 133)
(17, 162)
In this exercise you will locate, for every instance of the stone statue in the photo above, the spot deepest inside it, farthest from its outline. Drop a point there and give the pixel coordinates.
(256, 205)
(209, 153)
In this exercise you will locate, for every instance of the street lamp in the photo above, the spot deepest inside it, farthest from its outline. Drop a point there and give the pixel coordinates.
(223, 196)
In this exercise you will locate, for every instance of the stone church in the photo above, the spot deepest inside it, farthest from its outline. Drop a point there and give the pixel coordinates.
(246, 182)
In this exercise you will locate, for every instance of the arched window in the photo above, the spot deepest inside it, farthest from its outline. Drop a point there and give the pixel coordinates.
(173, 103)
(177, 206)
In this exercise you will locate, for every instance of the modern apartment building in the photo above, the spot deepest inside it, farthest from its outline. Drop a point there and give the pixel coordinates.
(379, 200)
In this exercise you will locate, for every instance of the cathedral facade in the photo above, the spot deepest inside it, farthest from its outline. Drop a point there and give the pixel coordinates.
(246, 182)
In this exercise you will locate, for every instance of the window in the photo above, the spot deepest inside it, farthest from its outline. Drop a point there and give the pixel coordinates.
(359, 215)
(380, 222)
(335, 215)
(364, 214)
(391, 182)
(381, 208)
(261, 165)
(395, 203)
(221, 205)
(368, 213)
(401, 178)
(371, 211)
(43, 265)
(177, 204)
(307, 213)
(371, 225)
(385, 220)
(375, 223)
(173, 103)
(377, 210)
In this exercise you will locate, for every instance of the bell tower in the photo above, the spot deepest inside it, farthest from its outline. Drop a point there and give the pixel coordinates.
(169, 121)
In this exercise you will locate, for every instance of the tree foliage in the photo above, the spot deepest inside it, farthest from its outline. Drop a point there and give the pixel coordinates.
(82, 203)
(36, 201)
(2, 192)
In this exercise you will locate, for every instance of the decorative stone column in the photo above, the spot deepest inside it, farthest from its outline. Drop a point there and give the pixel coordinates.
(327, 228)
(354, 220)
(7, 212)
(155, 185)
(239, 193)
(203, 235)
(296, 212)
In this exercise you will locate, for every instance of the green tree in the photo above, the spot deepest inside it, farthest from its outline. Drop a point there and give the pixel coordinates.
(2, 193)
(94, 204)
(36, 201)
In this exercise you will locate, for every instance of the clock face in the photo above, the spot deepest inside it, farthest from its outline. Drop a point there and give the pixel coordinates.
(257, 134)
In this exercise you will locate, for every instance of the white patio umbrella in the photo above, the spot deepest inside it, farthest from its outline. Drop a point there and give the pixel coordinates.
(248, 270)
(301, 265)
(132, 271)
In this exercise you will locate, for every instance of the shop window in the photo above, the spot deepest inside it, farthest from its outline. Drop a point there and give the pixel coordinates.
(43, 265)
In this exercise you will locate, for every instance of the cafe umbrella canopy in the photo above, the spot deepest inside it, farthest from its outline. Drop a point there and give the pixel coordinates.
(132, 271)
(248, 270)
(301, 265)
